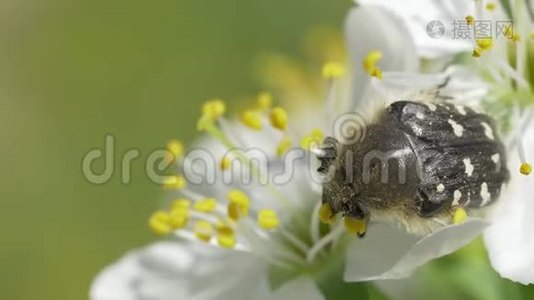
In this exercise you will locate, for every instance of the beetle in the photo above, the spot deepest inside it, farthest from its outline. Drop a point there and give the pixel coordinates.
(417, 163)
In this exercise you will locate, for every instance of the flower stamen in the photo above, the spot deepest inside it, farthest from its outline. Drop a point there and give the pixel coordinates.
(482, 45)
(203, 230)
(181, 203)
(525, 167)
(176, 150)
(211, 111)
(179, 216)
(206, 205)
(252, 119)
(369, 64)
(312, 140)
(470, 20)
(278, 117)
(226, 241)
(238, 206)
(333, 70)
(160, 223)
(283, 146)
(225, 163)
(174, 182)
(268, 219)
(323, 242)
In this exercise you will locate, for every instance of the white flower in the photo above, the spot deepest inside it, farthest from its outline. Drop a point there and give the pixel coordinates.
(178, 270)
(254, 232)
(417, 15)
(503, 62)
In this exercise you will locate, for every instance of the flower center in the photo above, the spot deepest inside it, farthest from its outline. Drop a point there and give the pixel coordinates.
(507, 67)
(241, 221)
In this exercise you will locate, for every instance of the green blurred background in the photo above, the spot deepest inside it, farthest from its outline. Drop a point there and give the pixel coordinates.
(73, 71)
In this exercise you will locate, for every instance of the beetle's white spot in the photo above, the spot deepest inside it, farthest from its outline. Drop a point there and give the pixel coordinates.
(487, 130)
(440, 188)
(485, 194)
(460, 109)
(458, 129)
(469, 168)
(496, 158)
(431, 106)
(420, 115)
(457, 197)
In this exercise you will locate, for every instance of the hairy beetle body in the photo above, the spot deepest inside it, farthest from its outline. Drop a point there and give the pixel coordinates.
(415, 165)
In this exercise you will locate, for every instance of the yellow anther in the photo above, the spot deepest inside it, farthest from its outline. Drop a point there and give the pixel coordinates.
(180, 204)
(238, 206)
(459, 216)
(203, 230)
(355, 226)
(470, 20)
(225, 163)
(525, 169)
(160, 223)
(176, 148)
(268, 219)
(238, 196)
(205, 205)
(369, 64)
(508, 32)
(179, 217)
(516, 37)
(236, 211)
(252, 119)
(333, 70)
(284, 145)
(213, 109)
(325, 213)
(484, 44)
(376, 72)
(226, 241)
(174, 183)
(278, 118)
(314, 138)
(224, 228)
(491, 6)
(265, 100)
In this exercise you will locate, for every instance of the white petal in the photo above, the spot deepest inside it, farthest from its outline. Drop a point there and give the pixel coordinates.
(173, 270)
(373, 28)
(510, 238)
(463, 88)
(417, 14)
(300, 288)
(389, 253)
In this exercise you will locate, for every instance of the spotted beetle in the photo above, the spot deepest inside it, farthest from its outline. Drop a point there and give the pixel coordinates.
(417, 163)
